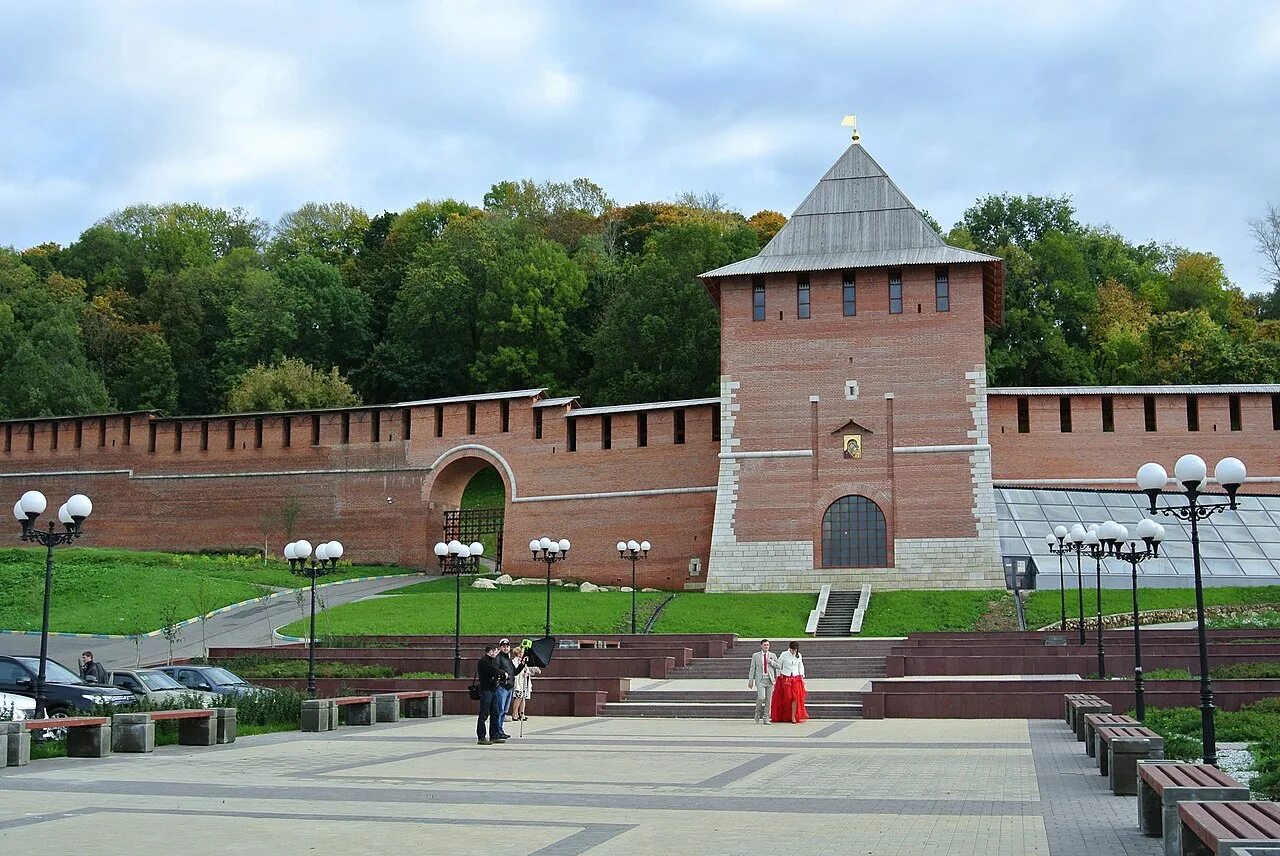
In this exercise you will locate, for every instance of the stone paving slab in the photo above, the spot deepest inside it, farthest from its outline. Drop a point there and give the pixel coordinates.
(599, 786)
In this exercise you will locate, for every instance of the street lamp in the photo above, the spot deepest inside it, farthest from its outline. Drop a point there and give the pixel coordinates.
(1191, 473)
(455, 558)
(324, 562)
(71, 515)
(1147, 546)
(1056, 542)
(550, 551)
(1074, 542)
(633, 552)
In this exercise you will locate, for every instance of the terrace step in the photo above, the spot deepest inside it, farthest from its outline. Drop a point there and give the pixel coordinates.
(841, 606)
(722, 710)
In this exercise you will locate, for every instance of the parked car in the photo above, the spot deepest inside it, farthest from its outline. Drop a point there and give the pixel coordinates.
(157, 687)
(65, 693)
(212, 679)
(16, 707)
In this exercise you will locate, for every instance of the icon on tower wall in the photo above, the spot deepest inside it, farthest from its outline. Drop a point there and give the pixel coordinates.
(853, 445)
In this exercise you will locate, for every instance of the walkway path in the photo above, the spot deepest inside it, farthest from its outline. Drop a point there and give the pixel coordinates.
(600, 786)
(247, 625)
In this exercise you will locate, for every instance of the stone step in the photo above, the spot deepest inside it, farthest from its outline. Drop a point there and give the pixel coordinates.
(720, 710)
(732, 696)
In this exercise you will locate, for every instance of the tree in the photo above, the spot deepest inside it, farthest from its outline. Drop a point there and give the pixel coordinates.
(560, 211)
(332, 232)
(333, 317)
(766, 224)
(1266, 234)
(290, 384)
(658, 337)
(1004, 220)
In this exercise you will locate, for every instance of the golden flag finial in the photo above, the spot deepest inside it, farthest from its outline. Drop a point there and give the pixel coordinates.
(851, 121)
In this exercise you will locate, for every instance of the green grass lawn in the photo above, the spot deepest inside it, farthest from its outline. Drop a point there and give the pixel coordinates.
(485, 490)
(126, 592)
(428, 607)
(747, 614)
(1043, 607)
(897, 613)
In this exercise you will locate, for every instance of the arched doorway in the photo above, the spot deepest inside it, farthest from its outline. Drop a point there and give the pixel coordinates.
(854, 534)
(471, 497)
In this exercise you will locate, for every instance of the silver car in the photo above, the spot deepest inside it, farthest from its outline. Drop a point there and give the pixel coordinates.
(158, 688)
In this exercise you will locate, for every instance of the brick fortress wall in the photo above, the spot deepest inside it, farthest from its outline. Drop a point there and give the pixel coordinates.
(379, 479)
(1036, 450)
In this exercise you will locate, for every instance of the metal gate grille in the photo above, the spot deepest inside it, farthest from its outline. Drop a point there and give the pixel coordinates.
(471, 524)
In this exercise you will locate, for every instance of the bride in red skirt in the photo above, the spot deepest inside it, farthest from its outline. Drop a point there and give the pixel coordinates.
(788, 690)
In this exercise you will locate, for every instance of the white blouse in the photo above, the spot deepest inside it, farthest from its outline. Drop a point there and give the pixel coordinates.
(790, 665)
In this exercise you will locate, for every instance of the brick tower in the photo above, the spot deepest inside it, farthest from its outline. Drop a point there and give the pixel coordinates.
(854, 441)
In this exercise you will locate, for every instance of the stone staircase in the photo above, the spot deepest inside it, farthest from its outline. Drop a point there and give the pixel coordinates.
(841, 605)
(715, 687)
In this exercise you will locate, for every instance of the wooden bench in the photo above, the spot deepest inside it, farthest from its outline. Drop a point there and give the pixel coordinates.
(1082, 707)
(1093, 720)
(87, 736)
(1068, 710)
(1164, 784)
(1119, 748)
(1225, 828)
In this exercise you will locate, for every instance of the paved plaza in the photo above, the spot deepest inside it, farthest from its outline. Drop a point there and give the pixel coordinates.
(600, 786)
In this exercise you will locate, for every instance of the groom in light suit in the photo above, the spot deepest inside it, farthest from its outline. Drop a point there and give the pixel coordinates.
(764, 671)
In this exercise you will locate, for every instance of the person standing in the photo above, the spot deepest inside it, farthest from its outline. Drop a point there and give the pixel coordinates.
(762, 677)
(523, 685)
(507, 688)
(788, 698)
(91, 671)
(489, 677)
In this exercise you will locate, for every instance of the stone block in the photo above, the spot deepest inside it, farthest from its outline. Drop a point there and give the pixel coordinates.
(133, 732)
(15, 741)
(89, 741)
(360, 714)
(316, 715)
(1122, 771)
(386, 707)
(202, 731)
(418, 708)
(226, 725)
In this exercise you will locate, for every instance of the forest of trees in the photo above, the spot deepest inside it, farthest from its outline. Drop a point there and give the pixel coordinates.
(195, 310)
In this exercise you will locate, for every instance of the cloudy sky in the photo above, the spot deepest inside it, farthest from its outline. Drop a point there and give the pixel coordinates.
(1161, 119)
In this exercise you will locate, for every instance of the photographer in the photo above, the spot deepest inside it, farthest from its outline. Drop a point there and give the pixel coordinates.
(509, 666)
(489, 677)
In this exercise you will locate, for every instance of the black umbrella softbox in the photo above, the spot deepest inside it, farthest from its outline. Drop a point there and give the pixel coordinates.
(541, 651)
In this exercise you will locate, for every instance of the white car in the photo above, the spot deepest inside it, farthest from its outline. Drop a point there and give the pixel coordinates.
(16, 707)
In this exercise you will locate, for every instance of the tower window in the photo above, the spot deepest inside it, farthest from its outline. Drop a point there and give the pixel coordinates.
(895, 292)
(1275, 411)
(127, 425)
(471, 417)
(850, 294)
(177, 436)
(1193, 413)
(505, 407)
(287, 425)
(537, 424)
(439, 420)
(315, 429)
(606, 432)
(1233, 402)
(8, 438)
(802, 296)
(715, 424)
(79, 432)
(1024, 416)
(757, 298)
(941, 290)
(678, 426)
(406, 423)
(375, 426)
(1064, 414)
(54, 427)
(257, 433)
(231, 434)
(204, 436)
(102, 431)
(1149, 411)
(151, 437)
(642, 429)
(572, 438)
(1108, 414)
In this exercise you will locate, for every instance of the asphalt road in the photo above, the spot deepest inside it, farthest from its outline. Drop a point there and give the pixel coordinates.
(248, 625)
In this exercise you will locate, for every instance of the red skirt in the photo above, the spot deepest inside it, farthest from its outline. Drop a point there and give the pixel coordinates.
(785, 691)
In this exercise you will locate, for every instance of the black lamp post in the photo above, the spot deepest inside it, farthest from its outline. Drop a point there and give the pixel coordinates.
(1094, 546)
(1074, 543)
(1192, 474)
(302, 563)
(1135, 552)
(633, 552)
(457, 558)
(549, 551)
(71, 515)
(1056, 542)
